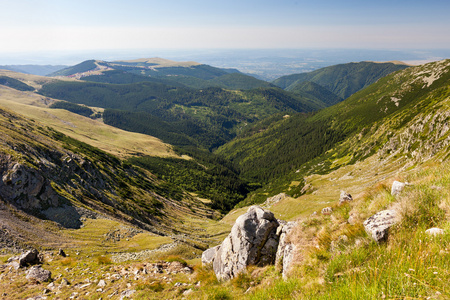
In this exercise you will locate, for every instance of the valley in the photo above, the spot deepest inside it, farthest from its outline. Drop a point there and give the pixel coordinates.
(136, 167)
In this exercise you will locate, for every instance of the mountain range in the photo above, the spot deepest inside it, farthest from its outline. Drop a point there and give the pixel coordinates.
(167, 149)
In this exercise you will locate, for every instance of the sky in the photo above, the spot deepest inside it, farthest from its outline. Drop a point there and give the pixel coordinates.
(81, 25)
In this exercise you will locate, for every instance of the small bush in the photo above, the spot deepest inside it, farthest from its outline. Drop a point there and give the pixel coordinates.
(104, 260)
(242, 281)
(177, 259)
(68, 261)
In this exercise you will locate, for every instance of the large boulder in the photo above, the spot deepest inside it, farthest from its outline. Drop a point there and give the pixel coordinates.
(377, 226)
(30, 257)
(286, 248)
(253, 241)
(39, 274)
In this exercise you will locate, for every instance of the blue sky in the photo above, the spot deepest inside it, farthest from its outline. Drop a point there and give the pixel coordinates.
(38, 25)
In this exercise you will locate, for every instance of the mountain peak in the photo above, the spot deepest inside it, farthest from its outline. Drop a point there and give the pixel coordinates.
(160, 62)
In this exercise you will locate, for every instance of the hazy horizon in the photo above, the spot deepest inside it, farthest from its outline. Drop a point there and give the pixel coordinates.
(79, 26)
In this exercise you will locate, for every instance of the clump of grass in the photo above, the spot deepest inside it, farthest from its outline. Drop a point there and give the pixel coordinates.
(176, 258)
(205, 275)
(104, 260)
(219, 294)
(243, 280)
(68, 262)
(154, 286)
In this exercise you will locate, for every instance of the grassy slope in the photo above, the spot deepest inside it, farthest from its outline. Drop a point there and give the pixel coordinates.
(93, 132)
(358, 127)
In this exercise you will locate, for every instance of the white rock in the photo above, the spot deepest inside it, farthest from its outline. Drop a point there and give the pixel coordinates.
(397, 187)
(434, 231)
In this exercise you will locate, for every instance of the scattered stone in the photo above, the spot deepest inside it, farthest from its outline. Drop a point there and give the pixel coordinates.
(252, 241)
(101, 283)
(434, 231)
(352, 219)
(345, 197)
(126, 294)
(115, 277)
(83, 286)
(61, 253)
(30, 257)
(64, 282)
(208, 255)
(188, 292)
(327, 210)
(39, 274)
(377, 226)
(51, 285)
(397, 187)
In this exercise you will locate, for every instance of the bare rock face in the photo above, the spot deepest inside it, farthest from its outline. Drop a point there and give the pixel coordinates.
(39, 274)
(286, 248)
(345, 197)
(253, 241)
(377, 226)
(397, 187)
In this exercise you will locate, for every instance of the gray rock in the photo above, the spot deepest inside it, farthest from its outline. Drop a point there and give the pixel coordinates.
(327, 210)
(39, 274)
(397, 187)
(208, 255)
(30, 257)
(62, 253)
(377, 226)
(126, 294)
(286, 249)
(434, 231)
(252, 241)
(345, 197)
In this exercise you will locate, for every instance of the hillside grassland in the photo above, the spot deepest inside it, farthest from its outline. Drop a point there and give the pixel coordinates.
(94, 132)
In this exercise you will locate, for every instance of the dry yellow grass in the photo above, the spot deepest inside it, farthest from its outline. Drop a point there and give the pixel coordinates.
(93, 132)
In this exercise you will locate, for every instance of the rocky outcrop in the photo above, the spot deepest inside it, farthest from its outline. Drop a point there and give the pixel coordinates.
(345, 197)
(39, 274)
(397, 187)
(275, 199)
(26, 187)
(253, 241)
(286, 248)
(377, 226)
